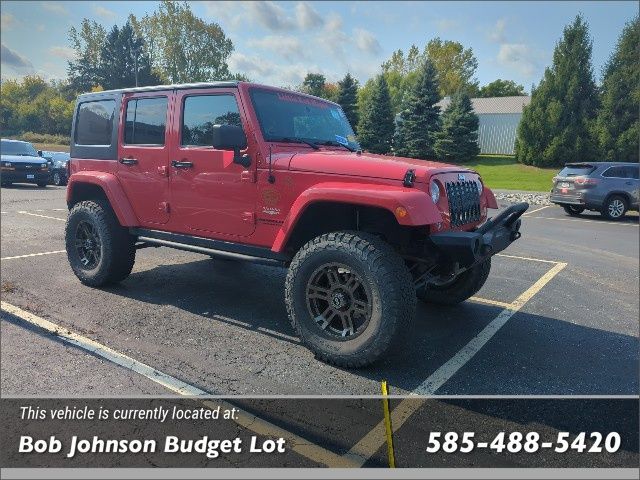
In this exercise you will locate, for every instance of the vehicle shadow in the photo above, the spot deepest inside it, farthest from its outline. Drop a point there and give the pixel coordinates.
(532, 354)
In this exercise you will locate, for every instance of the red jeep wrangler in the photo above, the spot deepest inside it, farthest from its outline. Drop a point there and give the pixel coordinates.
(233, 169)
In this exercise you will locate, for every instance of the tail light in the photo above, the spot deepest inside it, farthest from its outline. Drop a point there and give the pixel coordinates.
(585, 182)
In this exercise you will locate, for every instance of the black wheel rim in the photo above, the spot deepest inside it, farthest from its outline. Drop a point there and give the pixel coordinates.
(339, 301)
(88, 245)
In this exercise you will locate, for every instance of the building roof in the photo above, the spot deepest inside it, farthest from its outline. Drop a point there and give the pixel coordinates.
(493, 104)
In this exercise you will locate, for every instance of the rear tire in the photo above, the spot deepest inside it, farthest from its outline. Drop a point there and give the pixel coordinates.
(573, 210)
(614, 207)
(99, 249)
(349, 297)
(460, 289)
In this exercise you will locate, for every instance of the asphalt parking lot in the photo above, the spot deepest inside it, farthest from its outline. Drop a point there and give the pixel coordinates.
(558, 316)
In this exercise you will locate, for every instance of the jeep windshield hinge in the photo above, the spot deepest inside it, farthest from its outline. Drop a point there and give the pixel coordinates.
(271, 178)
(409, 178)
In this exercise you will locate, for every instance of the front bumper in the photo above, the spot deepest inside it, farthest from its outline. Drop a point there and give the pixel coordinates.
(469, 248)
(20, 176)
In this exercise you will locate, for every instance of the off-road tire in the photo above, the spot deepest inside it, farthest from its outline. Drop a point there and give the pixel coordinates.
(609, 210)
(384, 272)
(117, 246)
(573, 210)
(464, 286)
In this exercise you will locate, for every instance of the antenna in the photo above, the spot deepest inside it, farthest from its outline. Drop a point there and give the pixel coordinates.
(271, 178)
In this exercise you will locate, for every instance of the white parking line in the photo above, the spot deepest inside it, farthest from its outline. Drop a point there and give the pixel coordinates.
(526, 258)
(42, 216)
(602, 222)
(536, 210)
(32, 255)
(372, 441)
(245, 419)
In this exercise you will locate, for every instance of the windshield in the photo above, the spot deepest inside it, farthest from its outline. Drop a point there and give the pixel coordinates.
(17, 148)
(289, 117)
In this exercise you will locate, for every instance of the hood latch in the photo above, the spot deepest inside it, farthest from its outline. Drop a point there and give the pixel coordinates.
(409, 178)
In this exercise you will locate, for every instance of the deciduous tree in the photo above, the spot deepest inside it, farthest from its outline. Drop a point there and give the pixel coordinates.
(501, 88)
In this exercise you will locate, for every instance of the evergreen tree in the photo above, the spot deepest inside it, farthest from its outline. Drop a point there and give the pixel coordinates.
(458, 139)
(376, 127)
(421, 118)
(121, 53)
(557, 126)
(348, 98)
(618, 126)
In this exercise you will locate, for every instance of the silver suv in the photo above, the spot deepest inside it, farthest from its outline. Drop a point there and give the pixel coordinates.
(606, 187)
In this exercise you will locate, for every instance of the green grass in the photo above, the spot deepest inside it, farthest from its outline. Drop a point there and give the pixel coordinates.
(503, 172)
(52, 147)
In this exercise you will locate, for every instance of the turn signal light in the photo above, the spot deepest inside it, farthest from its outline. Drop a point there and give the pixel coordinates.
(401, 212)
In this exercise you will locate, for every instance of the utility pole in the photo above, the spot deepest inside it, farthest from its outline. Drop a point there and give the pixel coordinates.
(134, 52)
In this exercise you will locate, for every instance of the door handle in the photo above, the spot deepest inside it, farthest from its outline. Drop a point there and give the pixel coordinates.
(128, 161)
(182, 164)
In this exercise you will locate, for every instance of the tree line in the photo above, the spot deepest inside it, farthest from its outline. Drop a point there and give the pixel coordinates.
(570, 117)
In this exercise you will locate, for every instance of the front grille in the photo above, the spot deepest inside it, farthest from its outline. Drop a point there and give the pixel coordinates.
(464, 202)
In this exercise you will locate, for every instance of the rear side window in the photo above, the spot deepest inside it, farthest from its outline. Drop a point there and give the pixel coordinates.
(94, 123)
(614, 172)
(146, 121)
(202, 112)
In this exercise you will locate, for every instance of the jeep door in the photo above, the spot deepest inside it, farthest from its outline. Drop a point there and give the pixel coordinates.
(143, 155)
(210, 194)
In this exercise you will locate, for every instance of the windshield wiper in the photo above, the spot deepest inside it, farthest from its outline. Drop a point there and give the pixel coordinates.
(338, 144)
(295, 140)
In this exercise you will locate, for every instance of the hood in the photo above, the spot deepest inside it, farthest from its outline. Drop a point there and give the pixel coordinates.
(368, 165)
(22, 159)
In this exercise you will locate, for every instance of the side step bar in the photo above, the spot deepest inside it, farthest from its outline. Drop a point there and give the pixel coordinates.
(207, 246)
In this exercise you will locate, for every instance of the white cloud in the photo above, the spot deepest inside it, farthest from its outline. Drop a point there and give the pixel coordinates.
(104, 12)
(518, 57)
(8, 21)
(366, 41)
(497, 33)
(287, 46)
(55, 7)
(307, 16)
(270, 16)
(67, 53)
(446, 24)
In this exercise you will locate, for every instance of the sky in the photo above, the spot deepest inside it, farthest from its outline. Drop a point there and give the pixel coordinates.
(277, 43)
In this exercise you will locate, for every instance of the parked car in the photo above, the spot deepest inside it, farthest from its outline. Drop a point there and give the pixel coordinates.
(20, 163)
(607, 187)
(58, 162)
(255, 173)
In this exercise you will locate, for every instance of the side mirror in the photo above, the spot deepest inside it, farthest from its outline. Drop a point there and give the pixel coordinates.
(231, 137)
(39, 153)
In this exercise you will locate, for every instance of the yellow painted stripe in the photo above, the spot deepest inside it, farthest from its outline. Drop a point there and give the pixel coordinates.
(32, 255)
(42, 216)
(534, 211)
(488, 301)
(374, 440)
(247, 420)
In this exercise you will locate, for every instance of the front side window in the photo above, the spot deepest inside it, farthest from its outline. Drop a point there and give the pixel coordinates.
(287, 117)
(94, 122)
(632, 172)
(146, 121)
(202, 112)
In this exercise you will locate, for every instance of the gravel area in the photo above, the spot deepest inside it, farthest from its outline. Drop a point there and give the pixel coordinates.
(515, 196)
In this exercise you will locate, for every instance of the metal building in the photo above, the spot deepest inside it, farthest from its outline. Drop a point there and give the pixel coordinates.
(499, 118)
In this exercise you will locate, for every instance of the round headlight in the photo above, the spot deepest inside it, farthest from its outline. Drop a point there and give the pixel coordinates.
(479, 186)
(435, 192)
